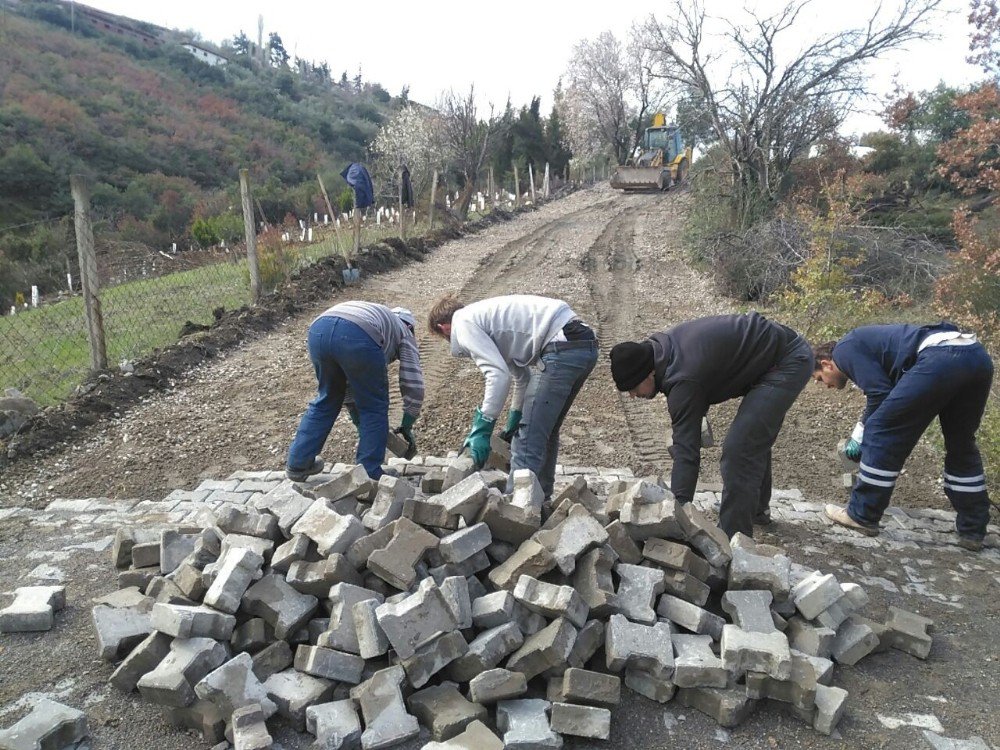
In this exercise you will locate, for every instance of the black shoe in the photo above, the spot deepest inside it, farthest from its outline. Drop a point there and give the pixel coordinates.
(971, 543)
(301, 475)
(762, 519)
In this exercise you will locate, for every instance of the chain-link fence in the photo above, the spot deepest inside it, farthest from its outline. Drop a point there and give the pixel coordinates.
(147, 297)
(43, 332)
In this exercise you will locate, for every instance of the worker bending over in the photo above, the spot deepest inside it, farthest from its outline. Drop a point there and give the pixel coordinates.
(351, 346)
(535, 343)
(911, 374)
(707, 361)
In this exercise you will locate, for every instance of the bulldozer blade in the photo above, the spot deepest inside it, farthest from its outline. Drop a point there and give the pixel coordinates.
(640, 178)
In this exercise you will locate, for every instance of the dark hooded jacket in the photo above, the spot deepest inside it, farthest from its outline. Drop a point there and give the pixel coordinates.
(707, 361)
(357, 177)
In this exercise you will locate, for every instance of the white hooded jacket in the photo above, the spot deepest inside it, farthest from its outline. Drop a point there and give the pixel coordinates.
(505, 336)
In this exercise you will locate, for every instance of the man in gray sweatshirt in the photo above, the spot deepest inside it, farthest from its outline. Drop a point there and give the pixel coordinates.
(707, 361)
(535, 344)
(351, 346)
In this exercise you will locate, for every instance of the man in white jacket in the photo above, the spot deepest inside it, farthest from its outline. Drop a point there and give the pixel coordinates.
(536, 344)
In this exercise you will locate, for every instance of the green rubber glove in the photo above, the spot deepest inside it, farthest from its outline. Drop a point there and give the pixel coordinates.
(513, 423)
(352, 412)
(853, 450)
(478, 440)
(406, 427)
(406, 430)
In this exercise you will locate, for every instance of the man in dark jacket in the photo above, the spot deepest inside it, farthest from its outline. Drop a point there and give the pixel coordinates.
(707, 361)
(911, 374)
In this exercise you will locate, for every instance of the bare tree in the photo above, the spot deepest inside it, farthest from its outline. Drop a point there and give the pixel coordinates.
(610, 93)
(410, 138)
(984, 44)
(646, 89)
(466, 140)
(773, 90)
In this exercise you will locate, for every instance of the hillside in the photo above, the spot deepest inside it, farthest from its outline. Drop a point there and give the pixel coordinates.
(161, 133)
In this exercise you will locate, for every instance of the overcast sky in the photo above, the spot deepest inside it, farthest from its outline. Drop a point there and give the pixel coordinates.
(518, 48)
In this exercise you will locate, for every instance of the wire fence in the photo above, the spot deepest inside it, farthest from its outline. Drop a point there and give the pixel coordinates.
(148, 297)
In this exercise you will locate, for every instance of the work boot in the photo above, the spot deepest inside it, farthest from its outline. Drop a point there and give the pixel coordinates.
(971, 543)
(840, 516)
(762, 519)
(301, 475)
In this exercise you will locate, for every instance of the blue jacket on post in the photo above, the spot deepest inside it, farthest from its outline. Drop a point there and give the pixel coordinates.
(876, 357)
(358, 178)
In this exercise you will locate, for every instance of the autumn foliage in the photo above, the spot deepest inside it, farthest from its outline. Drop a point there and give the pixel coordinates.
(969, 292)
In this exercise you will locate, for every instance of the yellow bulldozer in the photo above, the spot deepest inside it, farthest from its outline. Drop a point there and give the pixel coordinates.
(662, 162)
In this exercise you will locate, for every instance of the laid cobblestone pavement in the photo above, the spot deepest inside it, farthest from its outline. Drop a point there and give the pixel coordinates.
(902, 529)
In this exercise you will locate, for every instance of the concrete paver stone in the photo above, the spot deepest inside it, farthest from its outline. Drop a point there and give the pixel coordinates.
(49, 726)
(381, 700)
(33, 609)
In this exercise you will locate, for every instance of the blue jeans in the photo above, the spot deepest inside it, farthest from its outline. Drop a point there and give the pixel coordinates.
(951, 383)
(343, 354)
(558, 377)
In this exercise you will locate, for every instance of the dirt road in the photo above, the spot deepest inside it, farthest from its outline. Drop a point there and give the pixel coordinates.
(620, 263)
(618, 260)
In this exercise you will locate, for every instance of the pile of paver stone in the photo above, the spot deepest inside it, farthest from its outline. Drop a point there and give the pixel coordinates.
(494, 620)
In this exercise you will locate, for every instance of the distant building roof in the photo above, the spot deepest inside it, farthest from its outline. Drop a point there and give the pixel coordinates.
(120, 25)
(204, 51)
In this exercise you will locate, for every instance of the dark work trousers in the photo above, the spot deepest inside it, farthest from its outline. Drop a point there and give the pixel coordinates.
(951, 383)
(746, 452)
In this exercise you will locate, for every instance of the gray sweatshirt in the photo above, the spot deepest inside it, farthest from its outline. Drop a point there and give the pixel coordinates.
(397, 342)
(505, 336)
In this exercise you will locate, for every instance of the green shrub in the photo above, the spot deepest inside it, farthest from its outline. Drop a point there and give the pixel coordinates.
(210, 231)
(345, 200)
(988, 438)
(826, 293)
(203, 233)
(276, 261)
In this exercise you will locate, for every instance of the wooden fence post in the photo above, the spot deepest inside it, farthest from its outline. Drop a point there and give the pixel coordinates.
(89, 281)
(517, 189)
(492, 189)
(333, 216)
(434, 189)
(545, 185)
(250, 229)
(357, 230)
(402, 214)
(531, 181)
(260, 210)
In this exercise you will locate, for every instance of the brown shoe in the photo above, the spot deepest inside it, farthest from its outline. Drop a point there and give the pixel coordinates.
(840, 516)
(970, 543)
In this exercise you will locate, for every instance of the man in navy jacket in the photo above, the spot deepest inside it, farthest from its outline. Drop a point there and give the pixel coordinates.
(910, 375)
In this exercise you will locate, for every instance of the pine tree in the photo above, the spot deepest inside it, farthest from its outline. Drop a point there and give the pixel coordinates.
(241, 44)
(555, 143)
(278, 54)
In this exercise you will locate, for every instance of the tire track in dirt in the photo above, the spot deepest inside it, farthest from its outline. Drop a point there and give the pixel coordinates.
(611, 265)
